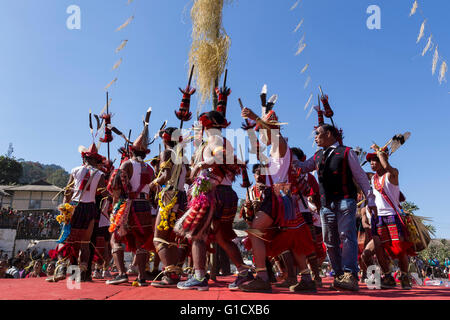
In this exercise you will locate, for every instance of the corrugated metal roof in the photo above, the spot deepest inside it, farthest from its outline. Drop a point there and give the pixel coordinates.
(33, 188)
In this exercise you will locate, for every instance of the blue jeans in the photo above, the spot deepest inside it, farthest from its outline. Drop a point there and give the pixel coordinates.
(339, 226)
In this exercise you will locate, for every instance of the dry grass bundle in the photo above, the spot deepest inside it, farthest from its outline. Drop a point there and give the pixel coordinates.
(126, 23)
(427, 47)
(110, 84)
(414, 8)
(299, 25)
(210, 45)
(422, 29)
(305, 68)
(442, 72)
(300, 49)
(122, 45)
(117, 64)
(209, 58)
(435, 60)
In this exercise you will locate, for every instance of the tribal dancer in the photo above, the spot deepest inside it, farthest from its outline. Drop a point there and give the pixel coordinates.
(278, 211)
(213, 202)
(172, 200)
(131, 221)
(86, 181)
(307, 186)
(388, 229)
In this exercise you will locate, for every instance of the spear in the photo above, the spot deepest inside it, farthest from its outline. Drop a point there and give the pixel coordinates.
(328, 106)
(107, 112)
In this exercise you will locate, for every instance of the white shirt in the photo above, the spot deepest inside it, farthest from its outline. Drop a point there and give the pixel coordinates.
(135, 180)
(393, 193)
(278, 168)
(78, 174)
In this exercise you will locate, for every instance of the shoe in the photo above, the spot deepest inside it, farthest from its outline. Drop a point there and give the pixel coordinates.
(194, 283)
(257, 285)
(388, 282)
(240, 279)
(404, 280)
(97, 275)
(287, 283)
(118, 279)
(166, 282)
(347, 282)
(304, 286)
(106, 274)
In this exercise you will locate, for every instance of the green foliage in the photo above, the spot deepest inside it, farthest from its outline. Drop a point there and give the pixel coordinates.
(439, 249)
(35, 171)
(10, 170)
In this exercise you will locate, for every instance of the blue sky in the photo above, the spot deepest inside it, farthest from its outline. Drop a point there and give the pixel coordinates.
(377, 80)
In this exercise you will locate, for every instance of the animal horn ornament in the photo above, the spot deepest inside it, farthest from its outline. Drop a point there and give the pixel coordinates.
(183, 113)
(326, 105)
(222, 95)
(108, 134)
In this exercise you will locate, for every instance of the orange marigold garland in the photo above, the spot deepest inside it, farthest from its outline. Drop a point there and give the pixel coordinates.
(116, 216)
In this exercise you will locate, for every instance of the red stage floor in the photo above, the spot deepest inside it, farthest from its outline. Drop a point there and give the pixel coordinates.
(39, 289)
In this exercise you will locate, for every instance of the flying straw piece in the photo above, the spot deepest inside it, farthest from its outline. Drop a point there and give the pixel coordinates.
(300, 49)
(422, 29)
(414, 8)
(118, 63)
(304, 68)
(309, 101)
(427, 47)
(307, 82)
(295, 5)
(126, 23)
(122, 45)
(109, 85)
(299, 25)
(129, 1)
(442, 72)
(435, 60)
(309, 113)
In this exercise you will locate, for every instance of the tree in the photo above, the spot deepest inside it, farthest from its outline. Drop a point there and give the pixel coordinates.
(58, 178)
(10, 170)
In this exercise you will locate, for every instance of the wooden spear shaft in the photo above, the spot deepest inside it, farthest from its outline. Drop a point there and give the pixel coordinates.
(107, 112)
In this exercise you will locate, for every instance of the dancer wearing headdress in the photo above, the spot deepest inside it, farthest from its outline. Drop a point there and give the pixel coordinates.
(79, 211)
(172, 201)
(213, 202)
(278, 224)
(131, 221)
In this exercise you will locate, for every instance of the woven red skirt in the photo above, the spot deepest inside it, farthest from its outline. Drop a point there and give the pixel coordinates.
(140, 227)
(297, 240)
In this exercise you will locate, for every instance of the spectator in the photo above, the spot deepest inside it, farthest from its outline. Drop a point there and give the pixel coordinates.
(14, 271)
(3, 268)
(51, 268)
(37, 270)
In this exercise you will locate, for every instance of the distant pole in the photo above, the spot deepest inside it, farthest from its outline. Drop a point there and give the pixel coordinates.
(107, 112)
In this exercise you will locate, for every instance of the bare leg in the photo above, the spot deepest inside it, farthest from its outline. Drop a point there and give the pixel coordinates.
(261, 222)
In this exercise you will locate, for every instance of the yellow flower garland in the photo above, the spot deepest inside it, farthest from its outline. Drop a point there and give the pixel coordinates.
(165, 211)
(66, 210)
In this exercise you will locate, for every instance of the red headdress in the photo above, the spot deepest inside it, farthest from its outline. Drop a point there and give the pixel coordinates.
(222, 95)
(183, 112)
(91, 153)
